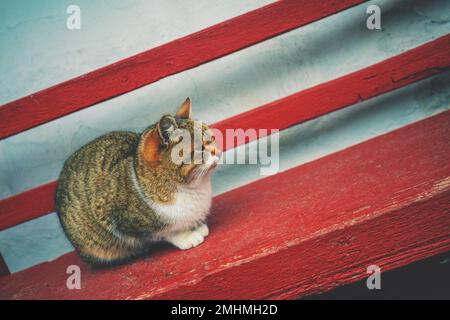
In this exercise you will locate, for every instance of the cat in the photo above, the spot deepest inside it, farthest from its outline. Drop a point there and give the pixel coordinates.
(123, 191)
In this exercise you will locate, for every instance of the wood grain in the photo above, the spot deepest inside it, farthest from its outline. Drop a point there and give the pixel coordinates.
(385, 201)
(414, 65)
(160, 62)
(411, 66)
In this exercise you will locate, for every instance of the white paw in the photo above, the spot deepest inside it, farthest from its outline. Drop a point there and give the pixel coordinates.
(203, 229)
(186, 240)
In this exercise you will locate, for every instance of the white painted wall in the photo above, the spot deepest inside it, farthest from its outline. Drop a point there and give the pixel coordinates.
(271, 70)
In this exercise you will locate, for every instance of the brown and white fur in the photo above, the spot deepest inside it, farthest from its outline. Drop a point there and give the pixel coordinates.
(122, 191)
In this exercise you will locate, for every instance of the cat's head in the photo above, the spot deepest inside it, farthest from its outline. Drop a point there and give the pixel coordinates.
(181, 146)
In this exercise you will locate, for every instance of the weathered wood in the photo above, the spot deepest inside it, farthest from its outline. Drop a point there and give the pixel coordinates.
(171, 58)
(385, 201)
(27, 205)
(413, 65)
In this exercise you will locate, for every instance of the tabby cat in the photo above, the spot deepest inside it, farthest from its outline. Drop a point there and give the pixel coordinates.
(122, 191)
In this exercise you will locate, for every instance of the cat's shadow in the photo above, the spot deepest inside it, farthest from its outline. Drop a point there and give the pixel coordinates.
(152, 250)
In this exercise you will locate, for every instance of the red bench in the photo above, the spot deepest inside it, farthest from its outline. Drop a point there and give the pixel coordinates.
(306, 230)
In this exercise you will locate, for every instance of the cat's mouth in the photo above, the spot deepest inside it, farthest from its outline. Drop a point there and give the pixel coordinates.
(204, 169)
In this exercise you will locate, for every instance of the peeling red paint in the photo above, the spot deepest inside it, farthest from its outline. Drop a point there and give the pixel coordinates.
(281, 114)
(171, 58)
(307, 235)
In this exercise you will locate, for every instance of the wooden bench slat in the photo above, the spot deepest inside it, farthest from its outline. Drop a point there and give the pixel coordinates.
(411, 66)
(27, 205)
(385, 201)
(168, 59)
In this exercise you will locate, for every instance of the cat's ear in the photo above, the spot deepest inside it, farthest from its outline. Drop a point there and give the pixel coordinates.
(152, 148)
(185, 111)
(166, 127)
(156, 140)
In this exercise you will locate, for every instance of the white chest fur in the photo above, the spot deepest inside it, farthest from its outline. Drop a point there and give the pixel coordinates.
(190, 206)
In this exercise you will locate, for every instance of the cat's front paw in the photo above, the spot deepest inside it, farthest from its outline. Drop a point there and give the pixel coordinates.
(203, 229)
(186, 240)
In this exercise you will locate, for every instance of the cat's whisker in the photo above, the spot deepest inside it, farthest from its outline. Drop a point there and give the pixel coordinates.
(199, 173)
